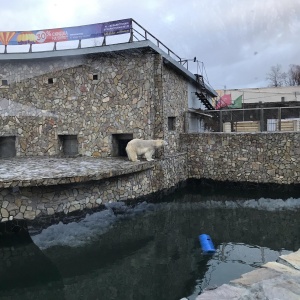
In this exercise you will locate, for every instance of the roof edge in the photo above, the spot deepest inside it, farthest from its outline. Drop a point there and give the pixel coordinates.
(105, 49)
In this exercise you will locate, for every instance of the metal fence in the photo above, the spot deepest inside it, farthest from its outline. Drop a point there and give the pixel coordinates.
(245, 120)
(136, 33)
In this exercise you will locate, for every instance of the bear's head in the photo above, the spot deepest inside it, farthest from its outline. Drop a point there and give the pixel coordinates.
(160, 143)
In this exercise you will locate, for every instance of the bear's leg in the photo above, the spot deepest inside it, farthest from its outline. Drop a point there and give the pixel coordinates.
(131, 155)
(148, 155)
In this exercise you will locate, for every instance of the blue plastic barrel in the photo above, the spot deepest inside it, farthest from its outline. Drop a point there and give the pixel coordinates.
(206, 244)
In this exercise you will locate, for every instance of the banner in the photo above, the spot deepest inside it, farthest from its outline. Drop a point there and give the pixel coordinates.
(65, 34)
(224, 101)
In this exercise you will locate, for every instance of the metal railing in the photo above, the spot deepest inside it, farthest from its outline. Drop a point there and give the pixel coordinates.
(247, 120)
(146, 35)
(137, 33)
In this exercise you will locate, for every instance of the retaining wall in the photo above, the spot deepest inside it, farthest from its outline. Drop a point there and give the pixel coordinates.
(30, 202)
(245, 157)
(256, 157)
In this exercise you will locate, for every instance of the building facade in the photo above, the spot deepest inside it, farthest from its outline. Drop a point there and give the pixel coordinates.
(92, 101)
(264, 95)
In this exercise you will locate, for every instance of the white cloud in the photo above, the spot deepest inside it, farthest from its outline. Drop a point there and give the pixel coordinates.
(225, 34)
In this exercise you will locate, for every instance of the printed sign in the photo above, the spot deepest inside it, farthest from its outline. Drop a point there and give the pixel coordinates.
(65, 34)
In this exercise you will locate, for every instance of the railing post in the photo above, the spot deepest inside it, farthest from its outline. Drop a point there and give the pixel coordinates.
(279, 119)
(221, 121)
(131, 36)
(261, 120)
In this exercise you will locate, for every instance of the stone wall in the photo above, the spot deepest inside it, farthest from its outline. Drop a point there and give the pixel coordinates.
(254, 157)
(36, 135)
(175, 104)
(36, 201)
(245, 157)
(92, 97)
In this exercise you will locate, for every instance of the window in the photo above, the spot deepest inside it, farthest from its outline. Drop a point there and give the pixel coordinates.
(171, 123)
(95, 76)
(7, 146)
(69, 144)
(4, 82)
(50, 81)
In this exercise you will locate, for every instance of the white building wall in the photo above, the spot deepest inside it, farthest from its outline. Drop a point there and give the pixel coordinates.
(194, 120)
(270, 94)
(193, 100)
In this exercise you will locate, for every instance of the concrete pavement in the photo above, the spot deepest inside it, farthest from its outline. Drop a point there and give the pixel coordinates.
(274, 281)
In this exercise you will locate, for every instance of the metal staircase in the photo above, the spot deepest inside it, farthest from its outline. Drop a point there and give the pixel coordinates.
(202, 93)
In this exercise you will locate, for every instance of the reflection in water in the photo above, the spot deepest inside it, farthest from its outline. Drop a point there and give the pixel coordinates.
(229, 262)
(152, 251)
(25, 272)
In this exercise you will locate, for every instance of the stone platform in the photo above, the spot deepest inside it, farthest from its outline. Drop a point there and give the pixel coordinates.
(275, 280)
(44, 171)
(50, 187)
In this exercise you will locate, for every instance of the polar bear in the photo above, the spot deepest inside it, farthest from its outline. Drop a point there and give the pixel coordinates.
(137, 147)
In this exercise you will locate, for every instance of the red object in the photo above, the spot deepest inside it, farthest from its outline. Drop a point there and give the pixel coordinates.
(224, 101)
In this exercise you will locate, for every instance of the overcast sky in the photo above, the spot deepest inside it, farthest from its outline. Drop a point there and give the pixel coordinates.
(237, 40)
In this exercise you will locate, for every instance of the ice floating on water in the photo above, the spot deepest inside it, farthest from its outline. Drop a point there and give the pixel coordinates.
(259, 204)
(76, 234)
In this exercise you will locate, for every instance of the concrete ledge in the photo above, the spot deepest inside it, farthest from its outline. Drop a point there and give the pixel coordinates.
(39, 187)
(272, 281)
(44, 171)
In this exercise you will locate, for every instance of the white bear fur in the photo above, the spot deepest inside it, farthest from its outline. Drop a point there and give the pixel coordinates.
(138, 147)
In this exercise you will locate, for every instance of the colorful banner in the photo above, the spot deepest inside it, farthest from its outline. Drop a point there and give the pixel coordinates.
(224, 101)
(65, 34)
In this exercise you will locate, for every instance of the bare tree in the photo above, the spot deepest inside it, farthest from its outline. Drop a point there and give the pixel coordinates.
(294, 75)
(276, 77)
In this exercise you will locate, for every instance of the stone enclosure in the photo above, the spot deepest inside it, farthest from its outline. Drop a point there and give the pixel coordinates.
(257, 158)
(82, 183)
(88, 106)
(244, 157)
(93, 98)
(89, 103)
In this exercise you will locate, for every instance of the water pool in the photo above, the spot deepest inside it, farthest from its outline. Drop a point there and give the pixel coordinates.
(151, 250)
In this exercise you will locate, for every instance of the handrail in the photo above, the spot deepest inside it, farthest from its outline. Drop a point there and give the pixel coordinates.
(157, 40)
(254, 108)
(279, 119)
(145, 34)
(136, 29)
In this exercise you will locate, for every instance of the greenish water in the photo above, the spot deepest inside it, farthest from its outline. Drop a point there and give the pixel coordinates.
(151, 251)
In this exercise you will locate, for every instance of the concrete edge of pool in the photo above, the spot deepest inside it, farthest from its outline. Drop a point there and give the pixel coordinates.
(274, 280)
